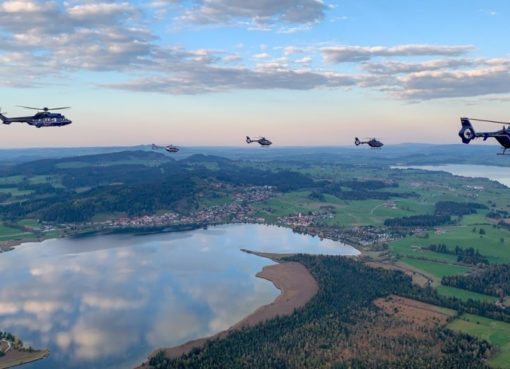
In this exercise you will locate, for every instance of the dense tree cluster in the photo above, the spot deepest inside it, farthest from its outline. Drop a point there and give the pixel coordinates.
(339, 328)
(418, 221)
(493, 280)
(362, 190)
(464, 255)
(457, 208)
(498, 214)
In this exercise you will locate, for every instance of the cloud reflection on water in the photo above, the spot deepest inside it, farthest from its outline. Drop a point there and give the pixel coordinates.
(110, 300)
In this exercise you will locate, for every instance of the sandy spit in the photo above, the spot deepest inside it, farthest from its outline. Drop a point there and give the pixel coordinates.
(297, 287)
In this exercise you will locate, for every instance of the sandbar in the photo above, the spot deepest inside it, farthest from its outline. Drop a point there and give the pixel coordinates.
(297, 287)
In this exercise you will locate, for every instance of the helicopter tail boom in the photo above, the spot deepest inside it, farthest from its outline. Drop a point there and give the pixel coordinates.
(3, 118)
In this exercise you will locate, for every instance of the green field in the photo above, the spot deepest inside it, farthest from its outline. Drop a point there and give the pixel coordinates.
(464, 294)
(495, 332)
(14, 191)
(438, 270)
(363, 212)
(495, 244)
(54, 180)
(11, 180)
(10, 233)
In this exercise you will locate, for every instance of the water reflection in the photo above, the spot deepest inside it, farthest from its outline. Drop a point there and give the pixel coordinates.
(499, 174)
(107, 301)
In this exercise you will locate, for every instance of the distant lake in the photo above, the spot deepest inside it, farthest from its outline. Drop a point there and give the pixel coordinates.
(500, 174)
(108, 301)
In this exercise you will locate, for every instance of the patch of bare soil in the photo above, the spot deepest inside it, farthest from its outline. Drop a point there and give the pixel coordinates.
(414, 311)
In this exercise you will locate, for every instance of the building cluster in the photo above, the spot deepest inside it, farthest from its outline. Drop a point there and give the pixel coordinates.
(357, 235)
(238, 211)
(254, 194)
(305, 219)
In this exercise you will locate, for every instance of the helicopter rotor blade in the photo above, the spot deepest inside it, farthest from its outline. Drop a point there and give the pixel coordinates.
(489, 121)
(28, 107)
(43, 109)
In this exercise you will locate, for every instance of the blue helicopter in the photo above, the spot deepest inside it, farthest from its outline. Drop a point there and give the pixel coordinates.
(373, 143)
(468, 133)
(261, 140)
(43, 118)
(169, 148)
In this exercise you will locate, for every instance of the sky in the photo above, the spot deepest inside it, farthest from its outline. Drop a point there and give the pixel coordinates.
(210, 72)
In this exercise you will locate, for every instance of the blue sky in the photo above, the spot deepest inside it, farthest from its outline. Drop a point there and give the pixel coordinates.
(209, 72)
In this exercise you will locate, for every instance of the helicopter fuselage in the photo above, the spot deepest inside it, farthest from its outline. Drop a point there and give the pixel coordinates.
(504, 138)
(373, 143)
(41, 119)
(262, 141)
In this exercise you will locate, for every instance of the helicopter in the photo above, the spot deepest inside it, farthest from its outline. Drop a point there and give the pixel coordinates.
(169, 148)
(372, 142)
(43, 118)
(467, 133)
(261, 140)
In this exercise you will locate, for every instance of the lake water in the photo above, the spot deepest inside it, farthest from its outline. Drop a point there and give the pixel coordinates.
(108, 301)
(500, 174)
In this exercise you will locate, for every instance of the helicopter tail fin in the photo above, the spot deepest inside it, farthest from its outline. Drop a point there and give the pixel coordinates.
(467, 132)
(357, 142)
(248, 139)
(3, 118)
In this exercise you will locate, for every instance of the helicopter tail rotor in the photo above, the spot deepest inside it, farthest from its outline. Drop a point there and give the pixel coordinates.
(248, 139)
(357, 142)
(467, 132)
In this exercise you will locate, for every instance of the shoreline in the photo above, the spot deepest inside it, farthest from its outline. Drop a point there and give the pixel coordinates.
(15, 358)
(297, 286)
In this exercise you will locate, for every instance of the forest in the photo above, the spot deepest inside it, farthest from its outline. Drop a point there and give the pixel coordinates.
(464, 255)
(418, 221)
(457, 208)
(339, 328)
(492, 280)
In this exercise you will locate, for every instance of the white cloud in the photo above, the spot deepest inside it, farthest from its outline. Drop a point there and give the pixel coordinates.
(262, 56)
(65, 38)
(445, 84)
(349, 53)
(303, 60)
(261, 13)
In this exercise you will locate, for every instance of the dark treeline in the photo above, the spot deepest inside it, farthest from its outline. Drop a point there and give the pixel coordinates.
(498, 214)
(476, 307)
(457, 208)
(361, 190)
(418, 221)
(135, 183)
(368, 185)
(493, 280)
(340, 328)
(464, 255)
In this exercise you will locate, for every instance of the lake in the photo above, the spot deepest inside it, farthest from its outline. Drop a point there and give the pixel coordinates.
(499, 174)
(108, 301)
